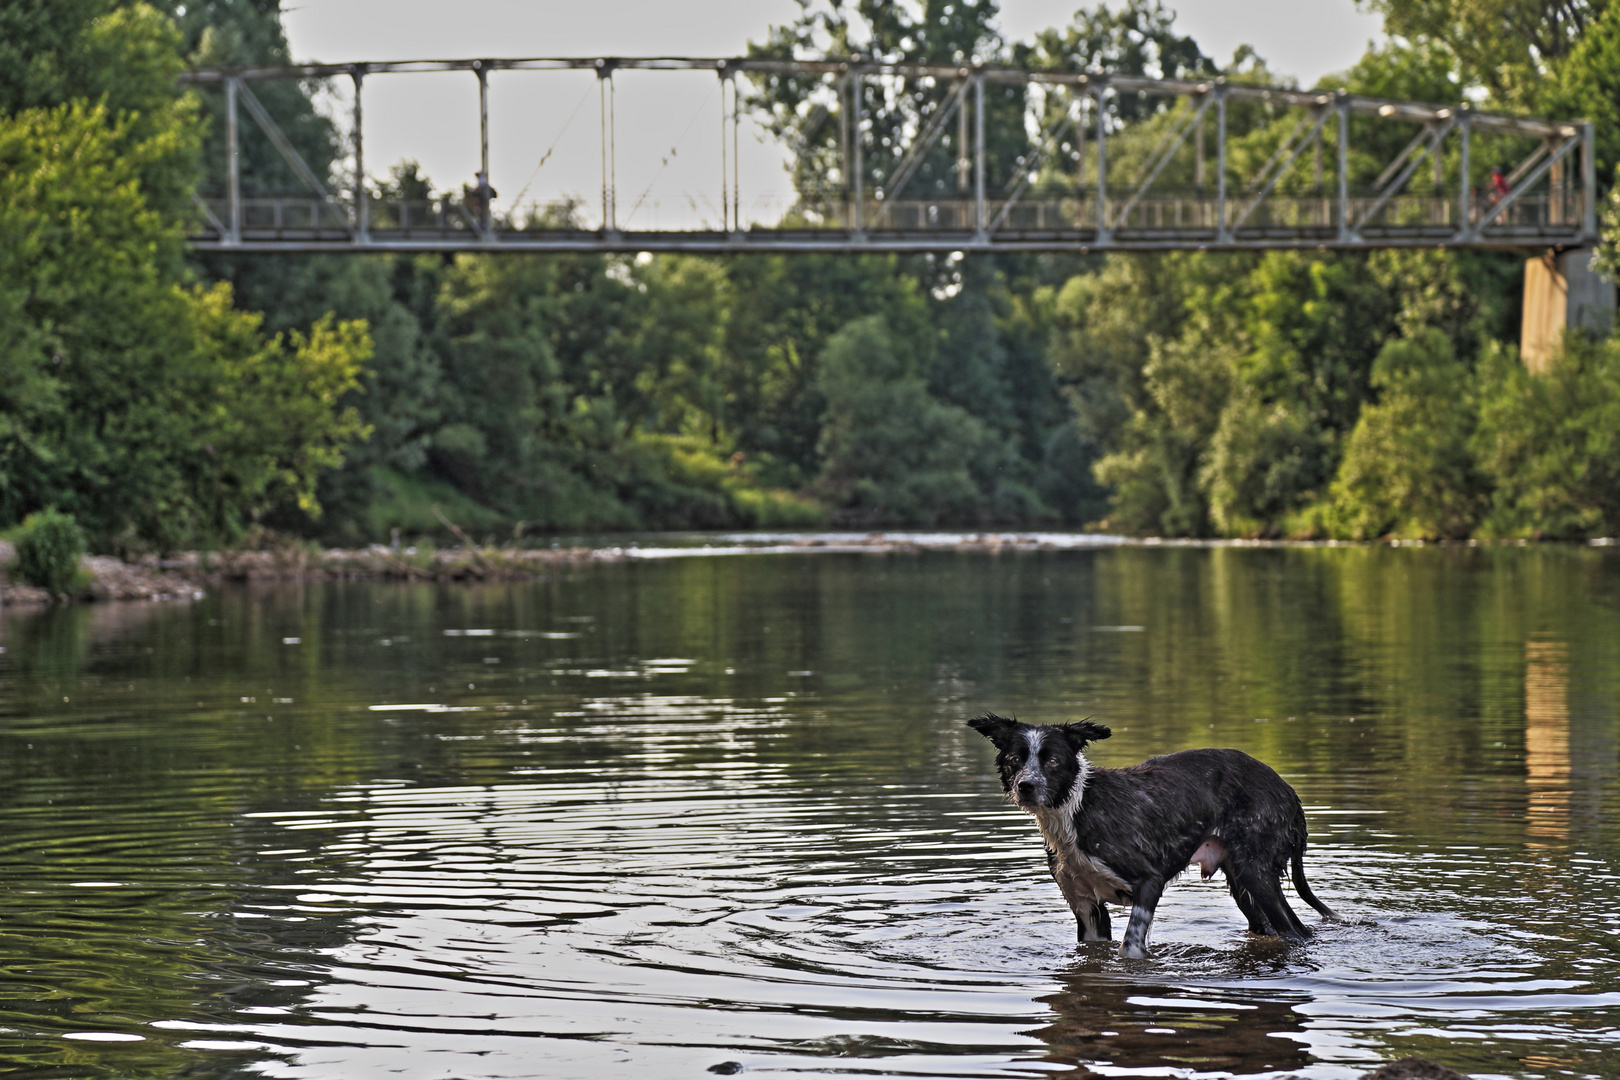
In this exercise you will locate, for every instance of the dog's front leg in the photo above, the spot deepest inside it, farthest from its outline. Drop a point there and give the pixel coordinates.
(1090, 916)
(1096, 927)
(1134, 947)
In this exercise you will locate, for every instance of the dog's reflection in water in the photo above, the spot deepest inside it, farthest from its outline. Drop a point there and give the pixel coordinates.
(1112, 1020)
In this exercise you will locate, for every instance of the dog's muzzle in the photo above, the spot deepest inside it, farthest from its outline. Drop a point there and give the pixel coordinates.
(1029, 789)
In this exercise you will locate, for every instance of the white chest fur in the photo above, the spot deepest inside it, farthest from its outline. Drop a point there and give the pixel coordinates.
(1080, 876)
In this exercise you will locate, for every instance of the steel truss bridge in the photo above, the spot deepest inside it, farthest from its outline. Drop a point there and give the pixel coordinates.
(1546, 199)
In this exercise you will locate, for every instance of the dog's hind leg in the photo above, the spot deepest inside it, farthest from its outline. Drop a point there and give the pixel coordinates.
(1246, 904)
(1259, 896)
(1134, 947)
(1277, 912)
(1304, 890)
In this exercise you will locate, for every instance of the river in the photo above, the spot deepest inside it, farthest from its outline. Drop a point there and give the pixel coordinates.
(721, 814)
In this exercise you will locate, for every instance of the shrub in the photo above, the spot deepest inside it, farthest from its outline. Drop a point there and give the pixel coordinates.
(893, 453)
(49, 546)
(1551, 442)
(1263, 464)
(1408, 470)
(691, 472)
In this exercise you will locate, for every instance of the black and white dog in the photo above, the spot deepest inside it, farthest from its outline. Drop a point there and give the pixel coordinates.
(1120, 835)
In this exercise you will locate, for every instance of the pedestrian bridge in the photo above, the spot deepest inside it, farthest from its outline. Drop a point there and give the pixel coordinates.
(1465, 178)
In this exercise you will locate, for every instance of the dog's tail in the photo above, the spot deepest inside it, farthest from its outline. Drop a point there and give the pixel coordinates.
(1303, 888)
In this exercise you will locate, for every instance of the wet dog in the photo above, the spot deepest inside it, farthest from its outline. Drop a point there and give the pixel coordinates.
(1119, 836)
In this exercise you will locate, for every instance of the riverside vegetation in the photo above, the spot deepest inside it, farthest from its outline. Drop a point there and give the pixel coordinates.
(168, 401)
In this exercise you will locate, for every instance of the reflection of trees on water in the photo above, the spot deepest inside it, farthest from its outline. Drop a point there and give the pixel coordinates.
(1139, 1024)
(49, 644)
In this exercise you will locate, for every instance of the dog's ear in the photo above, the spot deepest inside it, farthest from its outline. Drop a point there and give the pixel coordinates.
(1082, 732)
(998, 729)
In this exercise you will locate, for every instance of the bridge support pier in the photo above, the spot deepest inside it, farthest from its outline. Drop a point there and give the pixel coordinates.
(1561, 292)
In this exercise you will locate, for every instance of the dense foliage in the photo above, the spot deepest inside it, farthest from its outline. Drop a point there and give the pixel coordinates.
(1193, 394)
(138, 400)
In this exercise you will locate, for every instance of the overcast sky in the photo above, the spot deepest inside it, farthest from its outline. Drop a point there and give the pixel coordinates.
(433, 119)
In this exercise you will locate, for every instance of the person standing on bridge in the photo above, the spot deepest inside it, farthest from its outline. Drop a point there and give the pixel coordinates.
(477, 198)
(1499, 184)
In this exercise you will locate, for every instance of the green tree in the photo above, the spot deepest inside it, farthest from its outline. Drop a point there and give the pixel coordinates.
(785, 310)
(1153, 467)
(532, 350)
(156, 413)
(681, 337)
(992, 336)
(49, 546)
(1106, 325)
(893, 452)
(1506, 46)
(401, 395)
(1216, 393)
(1588, 85)
(587, 392)
(1551, 443)
(1265, 462)
(53, 54)
(808, 113)
(271, 419)
(1408, 468)
(1137, 38)
(245, 32)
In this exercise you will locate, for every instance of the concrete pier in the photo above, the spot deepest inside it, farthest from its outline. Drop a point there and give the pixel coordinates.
(1561, 292)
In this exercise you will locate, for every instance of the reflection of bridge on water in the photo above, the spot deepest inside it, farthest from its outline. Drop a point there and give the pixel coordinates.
(1547, 199)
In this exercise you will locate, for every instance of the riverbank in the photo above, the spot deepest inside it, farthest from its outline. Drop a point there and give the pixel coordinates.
(109, 579)
(186, 576)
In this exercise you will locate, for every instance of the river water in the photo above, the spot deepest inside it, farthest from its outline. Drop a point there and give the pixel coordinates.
(707, 814)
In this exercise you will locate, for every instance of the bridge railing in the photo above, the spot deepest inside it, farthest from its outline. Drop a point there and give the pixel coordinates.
(1179, 219)
(1191, 211)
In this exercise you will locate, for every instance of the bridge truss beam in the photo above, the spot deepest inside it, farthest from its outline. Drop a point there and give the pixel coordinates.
(1544, 201)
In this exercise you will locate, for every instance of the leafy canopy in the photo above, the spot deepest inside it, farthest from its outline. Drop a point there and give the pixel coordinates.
(152, 410)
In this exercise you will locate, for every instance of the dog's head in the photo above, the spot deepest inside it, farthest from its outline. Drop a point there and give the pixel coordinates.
(1039, 765)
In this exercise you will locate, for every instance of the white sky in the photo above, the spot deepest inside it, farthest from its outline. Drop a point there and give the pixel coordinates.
(433, 118)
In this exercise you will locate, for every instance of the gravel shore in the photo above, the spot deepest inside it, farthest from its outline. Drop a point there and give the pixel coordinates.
(184, 576)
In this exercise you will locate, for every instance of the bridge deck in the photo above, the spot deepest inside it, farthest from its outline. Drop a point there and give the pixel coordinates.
(1185, 223)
